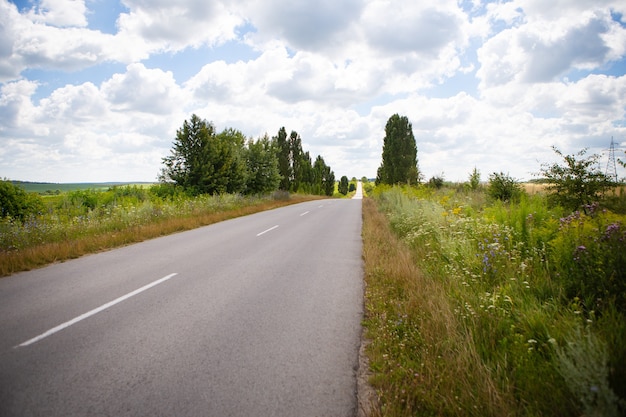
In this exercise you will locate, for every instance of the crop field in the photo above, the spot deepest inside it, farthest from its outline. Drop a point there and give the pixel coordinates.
(48, 188)
(483, 308)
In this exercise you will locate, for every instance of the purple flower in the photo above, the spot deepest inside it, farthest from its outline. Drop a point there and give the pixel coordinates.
(580, 249)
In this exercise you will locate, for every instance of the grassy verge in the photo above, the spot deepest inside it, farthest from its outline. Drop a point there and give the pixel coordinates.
(423, 362)
(58, 237)
(480, 309)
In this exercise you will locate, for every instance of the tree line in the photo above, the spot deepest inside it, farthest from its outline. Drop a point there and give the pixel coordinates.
(575, 184)
(203, 161)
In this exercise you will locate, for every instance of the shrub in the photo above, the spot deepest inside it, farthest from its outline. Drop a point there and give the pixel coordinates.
(474, 180)
(17, 203)
(583, 363)
(503, 187)
(576, 183)
(436, 182)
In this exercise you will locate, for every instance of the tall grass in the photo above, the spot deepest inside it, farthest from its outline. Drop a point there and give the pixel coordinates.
(87, 221)
(480, 309)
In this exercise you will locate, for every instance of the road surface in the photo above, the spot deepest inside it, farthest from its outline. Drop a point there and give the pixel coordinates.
(256, 316)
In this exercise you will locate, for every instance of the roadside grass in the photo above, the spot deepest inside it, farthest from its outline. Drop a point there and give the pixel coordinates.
(476, 308)
(100, 220)
(423, 361)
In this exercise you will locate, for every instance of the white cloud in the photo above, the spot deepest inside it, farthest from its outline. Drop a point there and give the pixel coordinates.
(62, 13)
(173, 26)
(332, 71)
(309, 26)
(143, 90)
(543, 50)
(400, 27)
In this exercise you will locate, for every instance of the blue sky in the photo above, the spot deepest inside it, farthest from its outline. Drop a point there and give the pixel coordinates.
(94, 90)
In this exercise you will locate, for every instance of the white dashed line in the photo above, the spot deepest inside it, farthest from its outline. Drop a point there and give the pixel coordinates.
(268, 230)
(94, 311)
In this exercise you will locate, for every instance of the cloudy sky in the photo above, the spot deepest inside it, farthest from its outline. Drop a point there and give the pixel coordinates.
(94, 90)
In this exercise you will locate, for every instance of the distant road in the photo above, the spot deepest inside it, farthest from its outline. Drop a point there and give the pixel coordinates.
(256, 316)
(358, 195)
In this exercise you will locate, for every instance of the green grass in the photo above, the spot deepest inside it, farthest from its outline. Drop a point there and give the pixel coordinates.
(85, 221)
(48, 188)
(476, 309)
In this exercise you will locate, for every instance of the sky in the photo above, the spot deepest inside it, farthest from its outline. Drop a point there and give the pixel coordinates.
(94, 90)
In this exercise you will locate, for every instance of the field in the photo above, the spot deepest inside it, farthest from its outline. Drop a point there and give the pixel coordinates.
(49, 188)
(481, 308)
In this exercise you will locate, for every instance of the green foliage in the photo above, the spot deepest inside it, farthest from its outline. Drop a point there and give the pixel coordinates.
(190, 164)
(436, 181)
(576, 183)
(84, 212)
(343, 185)
(17, 203)
(262, 165)
(284, 159)
(368, 187)
(298, 173)
(474, 180)
(504, 188)
(522, 281)
(590, 254)
(399, 158)
(204, 162)
(583, 363)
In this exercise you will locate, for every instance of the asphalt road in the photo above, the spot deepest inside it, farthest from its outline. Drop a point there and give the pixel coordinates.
(256, 316)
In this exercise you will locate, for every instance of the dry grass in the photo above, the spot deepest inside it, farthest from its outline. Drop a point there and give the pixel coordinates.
(423, 360)
(36, 256)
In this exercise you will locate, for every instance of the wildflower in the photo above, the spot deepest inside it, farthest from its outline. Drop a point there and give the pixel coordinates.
(611, 230)
(578, 251)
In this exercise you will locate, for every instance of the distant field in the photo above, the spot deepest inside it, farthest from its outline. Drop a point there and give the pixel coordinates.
(54, 188)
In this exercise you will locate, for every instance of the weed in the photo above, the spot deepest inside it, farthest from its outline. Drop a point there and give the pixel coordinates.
(506, 281)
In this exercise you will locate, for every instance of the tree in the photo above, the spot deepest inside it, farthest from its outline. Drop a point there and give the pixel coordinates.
(188, 162)
(284, 160)
(297, 160)
(17, 203)
(503, 187)
(436, 181)
(474, 179)
(399, 158)
(578, 182)
(324, 178)
(262, 166)
(329, 182)
(203, 162)
(343, 185)
(229, 162)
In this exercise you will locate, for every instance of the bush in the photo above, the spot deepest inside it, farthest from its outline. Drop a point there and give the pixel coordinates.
(578, 182)
(17, 203)
(474, 180)
(503, 187)
(436, 182)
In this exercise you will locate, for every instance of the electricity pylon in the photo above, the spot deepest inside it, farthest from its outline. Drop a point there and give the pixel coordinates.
(611, 169)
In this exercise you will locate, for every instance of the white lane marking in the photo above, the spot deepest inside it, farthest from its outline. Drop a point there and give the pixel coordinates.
(305, 213)
(320, 206)
(94, 311)
(268, 230)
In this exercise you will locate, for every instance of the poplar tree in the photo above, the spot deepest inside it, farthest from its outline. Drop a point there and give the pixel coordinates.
(284, 160)
(399, 159)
